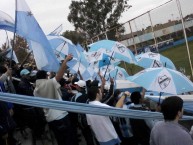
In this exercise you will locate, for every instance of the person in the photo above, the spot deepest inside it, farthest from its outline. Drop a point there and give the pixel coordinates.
(101, 125)
(66, 90)
(169, 131)
(107, 91)
(25, 87)
(15, 73)
(29, 116)
(82, 97)
(141, 128)
(58, 120)
(7, 125)
(122, 125)
(6, 78)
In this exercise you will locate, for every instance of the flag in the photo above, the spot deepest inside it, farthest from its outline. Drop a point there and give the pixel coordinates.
(6, 22)
(28, 27)
(9, 55)
(75, 65)
(56, 31)
(79, 48)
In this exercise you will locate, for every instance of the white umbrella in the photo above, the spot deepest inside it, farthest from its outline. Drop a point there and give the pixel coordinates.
(150, 59)
(163, 80)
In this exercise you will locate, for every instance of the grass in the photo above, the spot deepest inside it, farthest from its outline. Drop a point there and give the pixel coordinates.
(177, 54)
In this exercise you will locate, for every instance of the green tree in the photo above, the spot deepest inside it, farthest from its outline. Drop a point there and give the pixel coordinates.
(74, 36)
(21, 48)
(94, 17)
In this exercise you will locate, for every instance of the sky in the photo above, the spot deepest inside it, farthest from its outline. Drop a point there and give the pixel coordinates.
(51, 13)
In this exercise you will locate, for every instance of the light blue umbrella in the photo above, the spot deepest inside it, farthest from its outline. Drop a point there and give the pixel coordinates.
(150, 59)
(115, 49)
(63, 45)
(163, 80)
(119, 73)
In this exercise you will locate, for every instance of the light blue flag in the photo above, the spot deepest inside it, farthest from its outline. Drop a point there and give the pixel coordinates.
(28, 27)
(11, 55)
(83, 60)
(79, 48)
(6, 22)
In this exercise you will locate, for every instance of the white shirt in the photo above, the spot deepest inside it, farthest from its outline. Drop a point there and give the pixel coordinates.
(50, 89)
(101, 125)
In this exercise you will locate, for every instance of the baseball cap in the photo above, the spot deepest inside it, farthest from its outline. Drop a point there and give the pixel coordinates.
(24, 72)
(33, 73)
(81, 83)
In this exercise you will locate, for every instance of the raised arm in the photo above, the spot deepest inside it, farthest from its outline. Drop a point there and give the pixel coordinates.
(62, 69)
(120, 102)
(81, 78)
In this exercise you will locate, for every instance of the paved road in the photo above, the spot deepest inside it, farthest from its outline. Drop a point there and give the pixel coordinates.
(47, 139)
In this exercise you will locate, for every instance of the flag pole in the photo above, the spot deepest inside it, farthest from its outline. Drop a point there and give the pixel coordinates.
(152, 30)
(79, 64)
(185, 36)
(7, 40)
(62, 48)
(109, 63)
(14, 36)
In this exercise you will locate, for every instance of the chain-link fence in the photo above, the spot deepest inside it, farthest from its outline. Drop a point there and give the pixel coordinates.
(157, 30)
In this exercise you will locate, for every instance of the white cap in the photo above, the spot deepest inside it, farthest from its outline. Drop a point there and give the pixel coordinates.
(33, 73)
(81, 83)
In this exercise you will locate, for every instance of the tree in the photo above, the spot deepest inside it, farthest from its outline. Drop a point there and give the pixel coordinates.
(20, 48)
(74, 36)
(96, 16)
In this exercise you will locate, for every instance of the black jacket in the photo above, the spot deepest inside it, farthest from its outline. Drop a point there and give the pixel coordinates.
(6, 122)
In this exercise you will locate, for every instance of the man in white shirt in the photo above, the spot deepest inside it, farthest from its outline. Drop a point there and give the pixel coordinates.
(101, 125)
(58, 120)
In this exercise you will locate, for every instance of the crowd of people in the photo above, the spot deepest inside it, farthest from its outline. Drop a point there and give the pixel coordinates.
(96, 129)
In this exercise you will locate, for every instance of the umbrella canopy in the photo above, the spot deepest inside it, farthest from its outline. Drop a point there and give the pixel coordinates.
(114, 49)
(150, 59)
(163, 80)
(119, 73)
(63, 45)
(101, 57)
(96, 55)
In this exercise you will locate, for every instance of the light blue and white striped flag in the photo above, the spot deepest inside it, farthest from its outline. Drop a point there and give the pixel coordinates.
(28, 27)
(6, 22)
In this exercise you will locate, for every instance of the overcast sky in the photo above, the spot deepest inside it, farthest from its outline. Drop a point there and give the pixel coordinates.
(52, 13)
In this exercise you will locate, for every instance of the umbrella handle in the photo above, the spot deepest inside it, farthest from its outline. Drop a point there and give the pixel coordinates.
(159, 102)
(109, 63)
